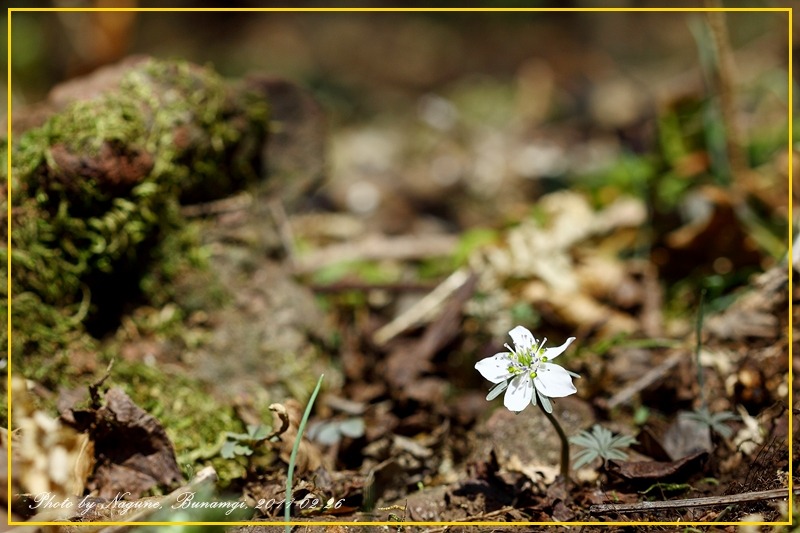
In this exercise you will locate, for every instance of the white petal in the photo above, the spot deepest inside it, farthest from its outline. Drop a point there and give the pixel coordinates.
(522, 338)
(519, 393)
(552, 353)
(545, 402)
(553, 381)
(495, 368)
(496, 390)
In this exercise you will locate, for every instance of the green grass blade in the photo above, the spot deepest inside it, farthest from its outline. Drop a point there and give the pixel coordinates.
(292, 459)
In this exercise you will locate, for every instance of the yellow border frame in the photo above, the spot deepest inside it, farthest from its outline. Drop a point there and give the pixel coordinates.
(790, 106)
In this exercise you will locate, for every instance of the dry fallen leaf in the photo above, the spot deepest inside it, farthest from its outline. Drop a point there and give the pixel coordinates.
(309, 457)
(134, 453)
(656, 471)
(543, 255)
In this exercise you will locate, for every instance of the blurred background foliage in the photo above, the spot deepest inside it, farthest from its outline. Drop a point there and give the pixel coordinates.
(358, 60)
(609, 103)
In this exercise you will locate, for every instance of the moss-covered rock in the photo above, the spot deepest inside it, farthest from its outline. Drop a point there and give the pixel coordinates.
(96, 191)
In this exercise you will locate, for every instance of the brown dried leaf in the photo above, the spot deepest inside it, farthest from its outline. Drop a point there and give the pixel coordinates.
(133, 452)
(714, 233)
(685, 437)
(756, 313)
(409, 361)
(279, 414)
(654, 471)
(309, 457)
(582, 310)
(650, 444)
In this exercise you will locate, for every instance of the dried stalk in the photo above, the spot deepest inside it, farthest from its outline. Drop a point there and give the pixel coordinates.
(725, 77)
(691, 502)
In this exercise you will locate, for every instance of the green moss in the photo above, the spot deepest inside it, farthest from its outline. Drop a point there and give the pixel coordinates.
(83, 223)
(96, 194)
(195, 421)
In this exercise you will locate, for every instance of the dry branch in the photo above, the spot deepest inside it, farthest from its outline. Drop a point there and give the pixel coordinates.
(691, 502)
(645, 381)
(423, 310)
(378, 248)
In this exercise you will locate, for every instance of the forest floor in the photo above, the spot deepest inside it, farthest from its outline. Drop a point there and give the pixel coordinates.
(394, 252)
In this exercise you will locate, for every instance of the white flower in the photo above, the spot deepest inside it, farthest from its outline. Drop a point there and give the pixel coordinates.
(527, 367)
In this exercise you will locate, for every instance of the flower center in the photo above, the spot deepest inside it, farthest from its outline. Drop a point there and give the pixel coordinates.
(526, 359)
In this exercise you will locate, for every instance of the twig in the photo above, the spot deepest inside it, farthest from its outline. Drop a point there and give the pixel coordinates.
(344, 286)
(699, 346)
(217, 207)
(691, 502)
(424, 309)
(725, 78)
(479, 518)
(652, 301)
(378, 247)
(284, 230)
(645, 381)
(95, 387)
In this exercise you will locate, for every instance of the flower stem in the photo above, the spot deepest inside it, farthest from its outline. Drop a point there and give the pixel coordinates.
(564, 443)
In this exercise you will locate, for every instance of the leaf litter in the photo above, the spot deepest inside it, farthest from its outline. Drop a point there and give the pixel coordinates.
(605, 264)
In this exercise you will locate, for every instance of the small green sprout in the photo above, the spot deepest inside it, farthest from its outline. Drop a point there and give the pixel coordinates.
(332, 431)
(600, 443)
(667, 487)
(243, 443)
(715, 421)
